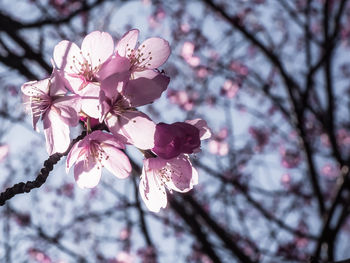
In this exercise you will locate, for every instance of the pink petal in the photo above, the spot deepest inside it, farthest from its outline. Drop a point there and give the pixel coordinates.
(179, 170)
(97, 47)
(114, 65)
(67, 56)
(127, 43)
(76, 154)
(56, 133)
(87, 174)
(90, 103)
(116, 161)
(36, 88)
(113, 85)
(154, 52)
(57, 86)
(135, 126)
(106, 139)
(68, 107)
(152, 190)
(142, 91)
(202, 126)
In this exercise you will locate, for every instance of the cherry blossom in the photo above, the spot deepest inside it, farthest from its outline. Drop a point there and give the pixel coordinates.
(187, 53)
(122, 118)
(173, 139)
(4, 150)
(176, 174)
(84, 68)
(97, 150)
(46, 99)
(218, 144)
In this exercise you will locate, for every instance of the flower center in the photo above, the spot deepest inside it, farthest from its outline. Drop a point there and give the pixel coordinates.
(139, 58)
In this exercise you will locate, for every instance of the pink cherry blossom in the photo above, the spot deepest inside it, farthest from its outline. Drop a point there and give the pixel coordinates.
(125, 257)
(97, 150)
(187, 53)
(172, 139)
(290, 158)
(150, 54)
(176, 174)
(218, 145)
(120, 114)
(230, 89)
(84, 68)
(47, 99)
(143, 62)
(183, 98)
(4, 150)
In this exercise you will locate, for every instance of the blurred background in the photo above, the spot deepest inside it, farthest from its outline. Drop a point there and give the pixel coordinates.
(271, 78)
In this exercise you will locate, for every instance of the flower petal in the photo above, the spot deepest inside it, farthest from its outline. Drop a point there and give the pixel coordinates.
(56, 133)
(36, 88)
(76, 154)
(87, 174)
(142, 91)
(97, 47)
(114, 65)
(202, 126)
(178, 170)
(68, 107)
(116, 161)
(152, 190)
(135, 126)
(127, 43)
(90, 103)
(153, 52)
(67, 57)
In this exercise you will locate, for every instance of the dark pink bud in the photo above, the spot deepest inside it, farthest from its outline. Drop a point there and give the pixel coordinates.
(170, 140)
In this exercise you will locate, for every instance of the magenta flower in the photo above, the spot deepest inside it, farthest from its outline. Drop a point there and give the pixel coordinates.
(47, 99)
(176, 174)
(84, 68)
(97, 150)
(170, 140)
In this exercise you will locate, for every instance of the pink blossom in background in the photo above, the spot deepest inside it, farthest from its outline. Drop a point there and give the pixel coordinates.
(202, 72)
(176, 174)
(124, 234)
(343, 137)
(330, 171)
(185, 27)
(286, 180)
(217, 147)
(124, 257)
(290, 158)
(4, 150)
(187, 53)
(218, 144)
(239, 68)
(183, 98)
(39, 256)
(229, 89)
(97, 150)
(261, 137)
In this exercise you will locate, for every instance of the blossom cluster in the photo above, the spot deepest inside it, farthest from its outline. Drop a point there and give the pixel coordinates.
(101, 85)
